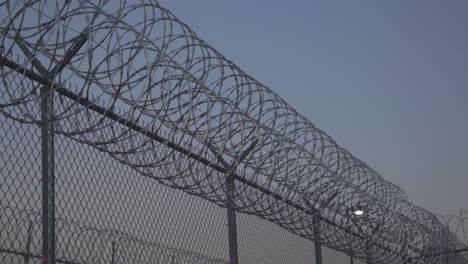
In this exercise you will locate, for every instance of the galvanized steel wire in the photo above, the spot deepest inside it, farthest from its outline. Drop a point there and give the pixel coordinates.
(147, 90)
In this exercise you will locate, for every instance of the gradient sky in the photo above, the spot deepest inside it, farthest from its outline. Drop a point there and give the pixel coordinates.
(387, 79)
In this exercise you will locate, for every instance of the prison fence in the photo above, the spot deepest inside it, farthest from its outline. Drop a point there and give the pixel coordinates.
(106, 212)
(128, 139)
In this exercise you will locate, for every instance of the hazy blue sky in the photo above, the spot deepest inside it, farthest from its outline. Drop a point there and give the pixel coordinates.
(387, 79)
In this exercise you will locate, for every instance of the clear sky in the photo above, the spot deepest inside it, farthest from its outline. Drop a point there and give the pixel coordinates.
(387, 79)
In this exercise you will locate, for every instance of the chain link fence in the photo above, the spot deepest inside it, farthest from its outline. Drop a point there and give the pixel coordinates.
(125, 138)
(107, 212)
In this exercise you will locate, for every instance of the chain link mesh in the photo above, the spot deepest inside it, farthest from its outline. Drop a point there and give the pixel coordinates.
(107, 212)
(125, 137)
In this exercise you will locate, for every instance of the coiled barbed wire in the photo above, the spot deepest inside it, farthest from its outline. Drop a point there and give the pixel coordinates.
(146, 90)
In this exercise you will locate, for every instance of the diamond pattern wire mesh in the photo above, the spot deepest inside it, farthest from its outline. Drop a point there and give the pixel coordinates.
(264, 242)
(119, 215)
(155, 133)
(134, 211)
(20, 193)
(105, 210)
(109, 213)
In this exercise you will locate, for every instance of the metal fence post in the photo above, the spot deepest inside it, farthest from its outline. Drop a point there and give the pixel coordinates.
(48, 177)
(318, 247)
(230, 195)
(113, 252)
(27, 257)
(231, 219)
(368, 259)
(47, 140)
